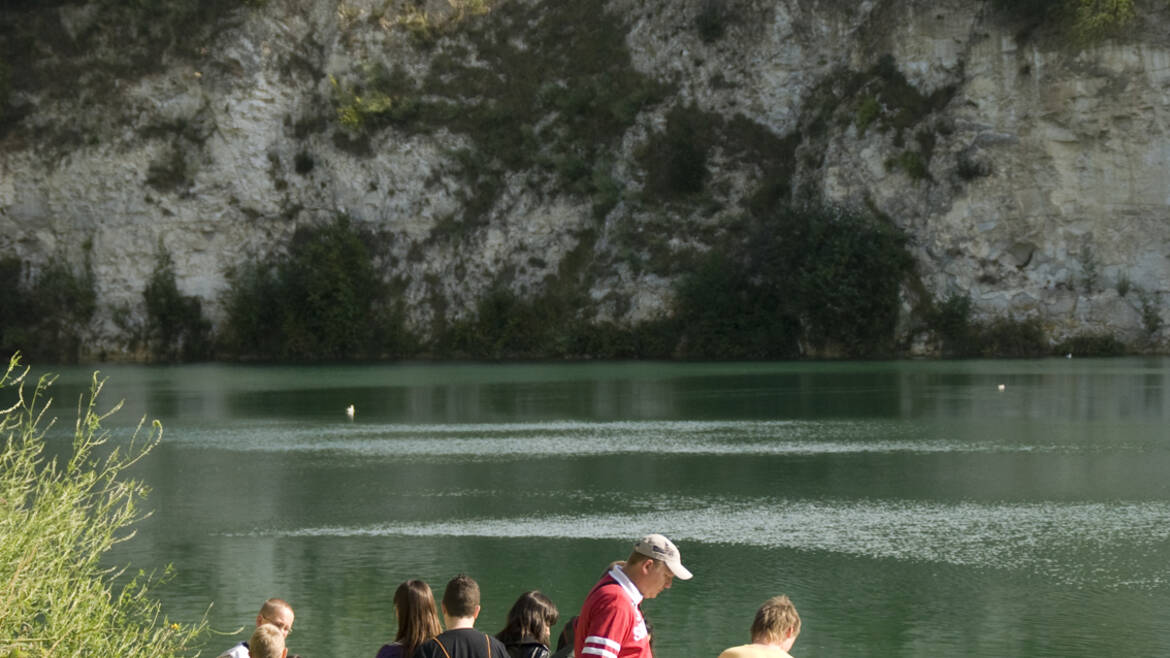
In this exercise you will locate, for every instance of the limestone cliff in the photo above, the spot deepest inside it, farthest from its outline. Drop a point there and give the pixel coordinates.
(1030, 173)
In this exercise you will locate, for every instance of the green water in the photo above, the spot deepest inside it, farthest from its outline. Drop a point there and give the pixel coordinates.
(909, 508)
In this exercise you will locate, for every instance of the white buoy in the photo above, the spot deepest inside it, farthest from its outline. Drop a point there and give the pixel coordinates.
(1068, 356)
(349, 412)
(1001, 387)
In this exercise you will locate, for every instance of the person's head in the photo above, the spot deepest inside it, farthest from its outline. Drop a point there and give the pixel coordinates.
(418, 621)
(278, 613)
(532, 617)
(461, 598)
(776, 623)
(567, 633)
(267, 642)
(654, 565)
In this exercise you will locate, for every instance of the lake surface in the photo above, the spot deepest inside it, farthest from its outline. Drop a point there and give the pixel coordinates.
(908, 508)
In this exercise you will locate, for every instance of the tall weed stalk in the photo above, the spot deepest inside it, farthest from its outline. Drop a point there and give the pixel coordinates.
(59, 515)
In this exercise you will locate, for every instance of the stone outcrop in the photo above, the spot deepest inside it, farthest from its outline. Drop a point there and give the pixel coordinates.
(1044, 193)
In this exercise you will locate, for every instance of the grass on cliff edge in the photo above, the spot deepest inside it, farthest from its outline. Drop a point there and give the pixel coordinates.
(59, 515)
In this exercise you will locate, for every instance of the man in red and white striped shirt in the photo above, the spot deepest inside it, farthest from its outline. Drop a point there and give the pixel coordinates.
(611, 623)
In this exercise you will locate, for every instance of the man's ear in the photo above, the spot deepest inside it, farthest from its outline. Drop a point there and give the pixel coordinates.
(259, 620)
(283, 652)
(476, 614)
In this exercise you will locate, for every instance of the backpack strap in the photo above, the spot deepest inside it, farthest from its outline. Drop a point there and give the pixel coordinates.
(442, 647)
(488, 641)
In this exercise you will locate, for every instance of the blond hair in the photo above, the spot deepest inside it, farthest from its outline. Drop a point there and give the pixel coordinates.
(775, 621)
(271, 606)
(266, 642)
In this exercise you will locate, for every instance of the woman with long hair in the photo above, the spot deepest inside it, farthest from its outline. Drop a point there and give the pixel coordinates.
(418, 620)
(530, 622)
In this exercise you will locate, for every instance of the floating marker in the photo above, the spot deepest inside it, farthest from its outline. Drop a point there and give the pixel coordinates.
(349, 412)
(1001, 387)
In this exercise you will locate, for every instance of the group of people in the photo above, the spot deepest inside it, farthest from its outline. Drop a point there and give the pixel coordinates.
(610, 625)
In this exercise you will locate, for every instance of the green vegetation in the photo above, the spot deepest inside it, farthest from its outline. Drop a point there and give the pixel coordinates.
(910, 162)
(816, 275)
(59, 516)
(1086, 20)
(175, 326)
(676, 159)
(1151, 314)
(1124, 285)
(1089, 269)
(551, 325)
(44, 313)
(551, 107)
(962, 336)
(1092, 344)
(323, 299)
(881, 98)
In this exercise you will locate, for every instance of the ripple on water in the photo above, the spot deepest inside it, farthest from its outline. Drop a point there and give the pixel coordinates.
(508, 441)
(1109, 545)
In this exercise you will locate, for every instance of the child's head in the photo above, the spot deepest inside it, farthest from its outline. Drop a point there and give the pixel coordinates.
(461, 598)
(776, 622)
(266, 642)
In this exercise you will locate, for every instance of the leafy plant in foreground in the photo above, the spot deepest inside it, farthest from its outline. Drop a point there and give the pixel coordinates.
(58, 517)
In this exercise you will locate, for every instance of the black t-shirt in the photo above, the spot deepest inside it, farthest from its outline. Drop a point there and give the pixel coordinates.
(462, 643)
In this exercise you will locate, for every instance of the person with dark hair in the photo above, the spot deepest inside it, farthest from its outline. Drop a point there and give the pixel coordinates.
(611, 624)
(460, 608)
(418, 621)
(565, 639)
(530, 621)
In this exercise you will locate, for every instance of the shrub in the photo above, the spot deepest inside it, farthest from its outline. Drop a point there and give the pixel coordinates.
(323, 299)
(1090, 344)
(175, 326)
(45, 313)
(823, 275)
(868, 110)
(912, 163)
(1151, 313)
(1124, 284)
(59, 516)
(676, 159)
(1009, 337)
(951, 321)
(723, 312)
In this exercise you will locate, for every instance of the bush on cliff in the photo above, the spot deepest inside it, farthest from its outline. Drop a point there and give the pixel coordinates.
(321, 299)
(802, 276)
(59, 516)
(176, 327)
(1087, 20)
(44, 313)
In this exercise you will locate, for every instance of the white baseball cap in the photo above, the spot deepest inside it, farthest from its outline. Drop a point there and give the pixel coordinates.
(661, 548)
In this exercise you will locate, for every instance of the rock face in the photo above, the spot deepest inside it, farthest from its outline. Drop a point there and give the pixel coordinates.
(1038, 183)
